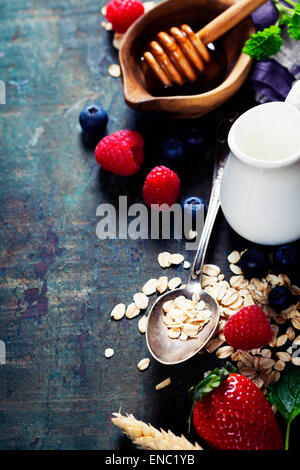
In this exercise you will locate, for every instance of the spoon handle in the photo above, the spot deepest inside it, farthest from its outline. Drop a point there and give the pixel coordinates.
(221, 155)
(228, 19)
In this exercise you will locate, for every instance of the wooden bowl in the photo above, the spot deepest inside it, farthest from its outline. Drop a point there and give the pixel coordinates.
(196, 13)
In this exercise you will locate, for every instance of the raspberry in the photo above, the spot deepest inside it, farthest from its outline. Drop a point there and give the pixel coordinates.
(248, 329)
(121, 153)
(162, 186)
(122, 13)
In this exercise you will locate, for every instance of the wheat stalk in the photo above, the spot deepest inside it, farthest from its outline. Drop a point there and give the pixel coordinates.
(147, 437)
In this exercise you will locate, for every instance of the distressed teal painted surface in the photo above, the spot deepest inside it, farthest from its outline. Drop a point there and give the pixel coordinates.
(58, 281)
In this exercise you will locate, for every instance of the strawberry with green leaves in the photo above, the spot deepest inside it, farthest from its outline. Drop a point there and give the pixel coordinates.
(231, 413)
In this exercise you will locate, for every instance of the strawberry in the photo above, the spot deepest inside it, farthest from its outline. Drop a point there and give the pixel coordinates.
(231, 413)
(248, 329)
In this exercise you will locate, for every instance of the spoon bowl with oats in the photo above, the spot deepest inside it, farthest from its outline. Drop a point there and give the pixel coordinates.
(183, 320)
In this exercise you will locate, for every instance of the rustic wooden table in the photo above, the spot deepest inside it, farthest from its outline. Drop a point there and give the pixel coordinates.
(58, 281)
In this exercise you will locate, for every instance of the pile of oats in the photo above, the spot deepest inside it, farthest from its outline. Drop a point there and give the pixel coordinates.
(262, 366)
(184, 318)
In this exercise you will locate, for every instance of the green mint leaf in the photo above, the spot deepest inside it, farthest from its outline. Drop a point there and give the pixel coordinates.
(285, 395)
(294, 24)
(284, 19)
(264, 44)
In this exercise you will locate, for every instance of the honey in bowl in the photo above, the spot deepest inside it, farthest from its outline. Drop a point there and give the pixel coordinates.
(212, 76)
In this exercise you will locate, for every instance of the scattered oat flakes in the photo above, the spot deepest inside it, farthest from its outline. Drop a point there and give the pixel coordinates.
(284, 356)
(266, 363)
(275, 376)
(248, 300)
(290, 333)
(114, 70)
(211, 270)
(186, 264)
(259, 382)
(234, 257)
(163, 384)
(230, 297)
(117, 40)
(249, 372)
(143, 364)
(132, 311)
(174, 283)
(237, 304)
(224, 351)
(235, 269)
(107, 26)
(272, 279)
(246, 358)
(142, 324)
(174, 333)
(213, 345)
(176, 258)
(192, 234)
(167, 306)
(296, 323)
(118, 312)
(284, 278)
(281, 340)
(295, 290)
(279, 365)
(148, 6)
(109, 352)
(297, 341)
(238, 282)
(221, 292)
(208, 280)
(141, 300)
(164, 259)
(183, 337)
(162, 284)
(150, 287)
(266, 353)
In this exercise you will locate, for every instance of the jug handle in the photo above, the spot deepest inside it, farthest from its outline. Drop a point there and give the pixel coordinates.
(293, 97)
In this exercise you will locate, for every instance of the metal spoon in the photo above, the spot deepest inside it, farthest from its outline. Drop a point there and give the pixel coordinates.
(173, 351)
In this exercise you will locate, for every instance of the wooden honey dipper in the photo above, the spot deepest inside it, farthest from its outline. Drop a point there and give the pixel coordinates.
(182, 54)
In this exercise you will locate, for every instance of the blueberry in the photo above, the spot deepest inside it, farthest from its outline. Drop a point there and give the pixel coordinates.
(93, 120)
(286, 257)
(194, 138)
(194, 205)
(254, 263)
(280, 298)
(173, 150)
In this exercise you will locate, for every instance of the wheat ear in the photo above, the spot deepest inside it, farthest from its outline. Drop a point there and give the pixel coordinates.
(147, 437)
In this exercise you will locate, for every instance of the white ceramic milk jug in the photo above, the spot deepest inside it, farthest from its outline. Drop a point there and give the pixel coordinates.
(260, 193)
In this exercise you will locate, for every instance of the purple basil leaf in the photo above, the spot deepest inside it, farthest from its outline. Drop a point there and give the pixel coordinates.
(265, 16)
